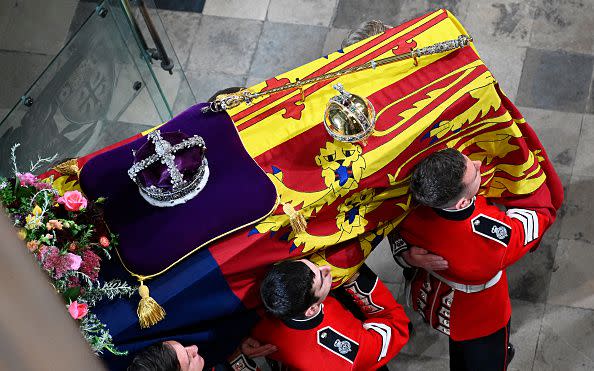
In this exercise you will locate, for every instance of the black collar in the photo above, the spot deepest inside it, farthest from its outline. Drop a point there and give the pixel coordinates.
(461, 214)
(307, 323)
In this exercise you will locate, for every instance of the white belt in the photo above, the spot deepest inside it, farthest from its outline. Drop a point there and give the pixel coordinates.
(469, 289)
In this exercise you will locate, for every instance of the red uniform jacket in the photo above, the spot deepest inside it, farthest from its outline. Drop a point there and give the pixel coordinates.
(334, 339)
(477, 242)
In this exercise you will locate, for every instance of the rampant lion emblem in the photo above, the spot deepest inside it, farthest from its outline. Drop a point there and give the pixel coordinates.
(351, 213)
(342, 166)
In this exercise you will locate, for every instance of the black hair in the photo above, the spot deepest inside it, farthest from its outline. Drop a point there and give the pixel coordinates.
(287, 290)
(438, 180)
(157, 357)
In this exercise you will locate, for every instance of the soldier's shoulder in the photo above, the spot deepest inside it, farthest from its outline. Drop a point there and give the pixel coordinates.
(491, 227)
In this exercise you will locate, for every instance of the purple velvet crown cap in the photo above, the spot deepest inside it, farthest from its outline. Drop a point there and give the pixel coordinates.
(187, 161)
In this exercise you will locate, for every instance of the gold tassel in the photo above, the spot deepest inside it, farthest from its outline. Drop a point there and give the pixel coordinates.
(149, 311)
(69, 167)
(298, 222)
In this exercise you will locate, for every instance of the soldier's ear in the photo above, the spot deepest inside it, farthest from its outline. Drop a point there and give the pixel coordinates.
(312, 310)
(318, 161)
(462, 203)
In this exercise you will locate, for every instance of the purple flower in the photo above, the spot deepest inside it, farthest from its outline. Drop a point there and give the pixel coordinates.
(59, 264)
(42, 185)
(90, 264)
(26, 179)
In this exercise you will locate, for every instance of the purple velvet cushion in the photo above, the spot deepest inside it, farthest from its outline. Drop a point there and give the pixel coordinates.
(238, 192)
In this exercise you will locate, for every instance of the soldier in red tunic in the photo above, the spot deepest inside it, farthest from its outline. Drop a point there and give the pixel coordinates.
(469, 300)
(314, 331)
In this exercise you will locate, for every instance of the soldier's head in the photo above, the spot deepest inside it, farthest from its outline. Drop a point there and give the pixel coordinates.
(363, 31)
(446, 179)
(167, 356)
(295, 289)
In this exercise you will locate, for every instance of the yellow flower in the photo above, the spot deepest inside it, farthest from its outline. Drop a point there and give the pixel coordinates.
(34, 219)
(22, 234)
(36, 210)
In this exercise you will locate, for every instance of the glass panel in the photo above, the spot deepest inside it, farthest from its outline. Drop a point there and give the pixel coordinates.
(97, 91)
(173, 85)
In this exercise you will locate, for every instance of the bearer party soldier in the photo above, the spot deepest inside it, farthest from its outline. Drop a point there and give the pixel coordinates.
(469, 299)
(313, 330)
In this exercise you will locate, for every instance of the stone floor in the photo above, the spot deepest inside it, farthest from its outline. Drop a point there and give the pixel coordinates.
(542, 52)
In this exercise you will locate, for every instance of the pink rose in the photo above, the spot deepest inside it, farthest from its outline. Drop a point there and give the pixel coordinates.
(73, 201)
(78, 311)
(73, 261)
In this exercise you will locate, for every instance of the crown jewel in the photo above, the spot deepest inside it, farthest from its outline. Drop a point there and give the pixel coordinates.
(170, 168)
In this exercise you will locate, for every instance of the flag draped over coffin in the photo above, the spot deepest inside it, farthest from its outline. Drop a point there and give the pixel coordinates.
(352, 195)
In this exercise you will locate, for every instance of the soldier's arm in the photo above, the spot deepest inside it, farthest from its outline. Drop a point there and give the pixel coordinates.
(385, 329)
(520, 228)
(409, 257)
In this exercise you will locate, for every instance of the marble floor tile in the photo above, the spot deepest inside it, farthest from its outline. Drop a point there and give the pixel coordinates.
(525, 326)
(425, 341)
(19, 70)
(565, 341)
(407, 362)
(578, 223)
(181, 28)
(350, 13)
(584, 160)
(559, 133)
(563, 24)
(6, 6)
(505, 63)
(529, 277)
(28, 23)
(334, 40)
(410, 9)
(312, 12)
(283, 47)
(254, 80)
(396, 289)
(382, 263)
(224, 45)
(572, 282)
(590, 104)
(555, 80)
(500, 23)
(247, 9)
(205, 83)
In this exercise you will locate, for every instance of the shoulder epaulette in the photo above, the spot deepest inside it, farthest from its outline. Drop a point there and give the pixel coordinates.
(491, 228)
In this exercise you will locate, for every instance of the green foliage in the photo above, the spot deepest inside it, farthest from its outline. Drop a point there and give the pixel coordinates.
(61, 241)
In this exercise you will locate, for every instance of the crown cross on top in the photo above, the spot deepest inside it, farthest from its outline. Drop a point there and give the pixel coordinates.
(165, 153)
